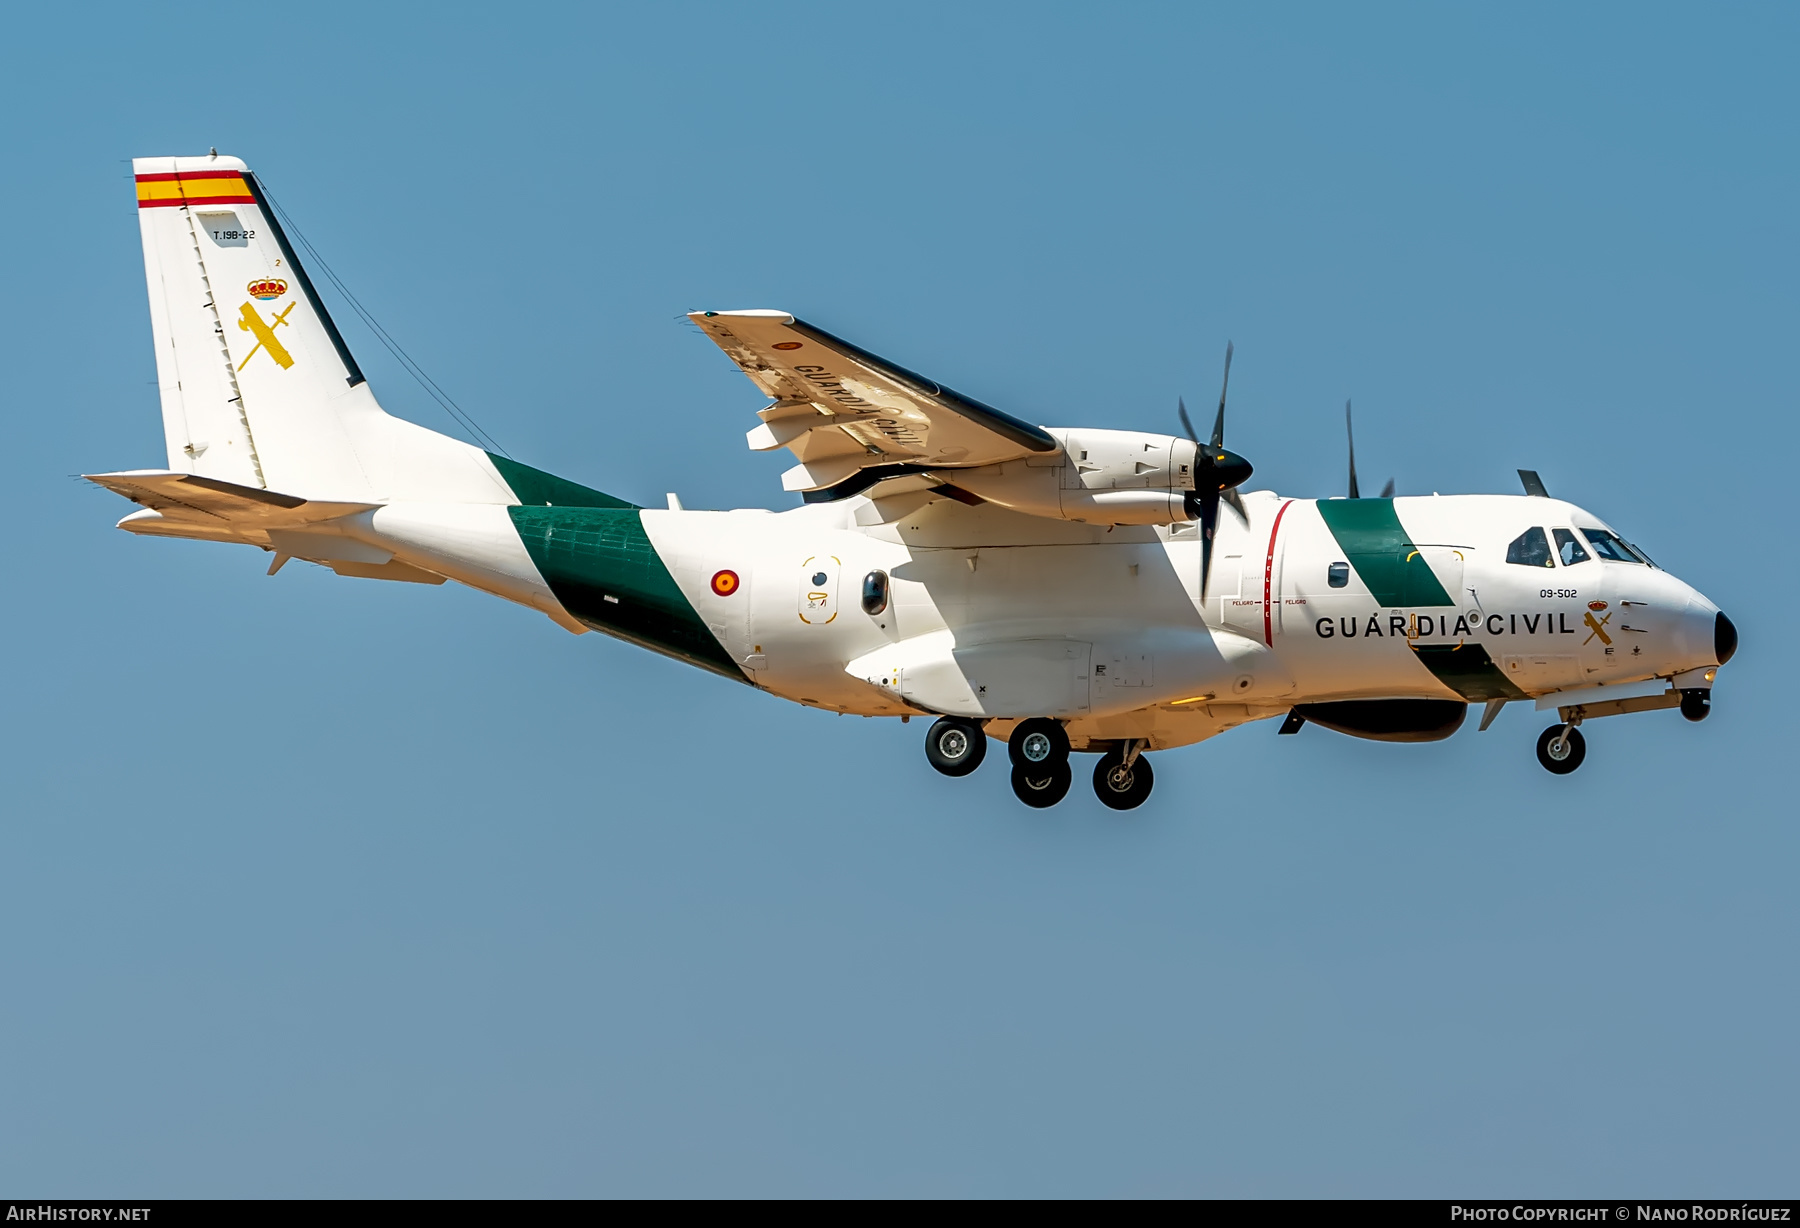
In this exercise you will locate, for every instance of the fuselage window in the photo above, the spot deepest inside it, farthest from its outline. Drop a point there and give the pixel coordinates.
(1614, 548)
(1337, 575)
(1568, 548)
(1531, 549)
(875, 592)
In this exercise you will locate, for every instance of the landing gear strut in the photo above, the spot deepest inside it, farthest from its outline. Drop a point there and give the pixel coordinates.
(954, 746)
(1561, 748)
(1122, 778)
(1039, 750)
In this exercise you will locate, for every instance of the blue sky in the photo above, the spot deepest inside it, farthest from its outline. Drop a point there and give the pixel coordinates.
(318, 886)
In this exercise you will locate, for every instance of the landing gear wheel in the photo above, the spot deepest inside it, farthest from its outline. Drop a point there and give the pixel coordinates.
(1121, 787)
(1037, 743)
(1042, 786)
(955, 747)
(1561, 748)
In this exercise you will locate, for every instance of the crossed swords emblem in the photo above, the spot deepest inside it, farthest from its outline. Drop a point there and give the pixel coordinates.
(251, 321)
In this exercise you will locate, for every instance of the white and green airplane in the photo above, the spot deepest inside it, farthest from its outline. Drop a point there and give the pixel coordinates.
(1057, 589)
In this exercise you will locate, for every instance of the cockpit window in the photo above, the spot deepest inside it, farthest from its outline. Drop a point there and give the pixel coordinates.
(1531, 549)
(1611, 546)
(1568, 547)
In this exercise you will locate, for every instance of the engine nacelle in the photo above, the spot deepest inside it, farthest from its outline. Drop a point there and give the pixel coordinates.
(1099, 477)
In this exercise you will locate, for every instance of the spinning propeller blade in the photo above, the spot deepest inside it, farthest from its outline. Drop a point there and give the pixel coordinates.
(1387, 492)
(1218, 435)
(1217, 474)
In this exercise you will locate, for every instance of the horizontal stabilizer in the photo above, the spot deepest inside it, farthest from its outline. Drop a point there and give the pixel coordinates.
(188, 495)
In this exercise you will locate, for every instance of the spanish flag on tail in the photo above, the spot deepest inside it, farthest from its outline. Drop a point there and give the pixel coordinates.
(201, 187)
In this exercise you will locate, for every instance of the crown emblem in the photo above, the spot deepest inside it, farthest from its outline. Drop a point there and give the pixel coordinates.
(266, 288)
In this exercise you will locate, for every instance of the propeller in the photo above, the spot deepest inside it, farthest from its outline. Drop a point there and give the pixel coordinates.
(1387, 492)
(1218, 473)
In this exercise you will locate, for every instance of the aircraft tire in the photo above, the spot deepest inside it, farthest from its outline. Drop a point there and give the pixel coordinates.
(1121, 787)
(1695, 704)
(1038, 742)
(1042, 786)
(1572, 752)
(955, 747)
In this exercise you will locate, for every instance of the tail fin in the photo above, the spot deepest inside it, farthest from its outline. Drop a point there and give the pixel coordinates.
(258, 387)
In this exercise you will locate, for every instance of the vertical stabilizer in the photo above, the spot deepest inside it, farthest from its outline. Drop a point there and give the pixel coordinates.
(258, 387)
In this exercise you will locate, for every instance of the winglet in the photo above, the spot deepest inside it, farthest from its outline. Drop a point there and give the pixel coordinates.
(1533, 484)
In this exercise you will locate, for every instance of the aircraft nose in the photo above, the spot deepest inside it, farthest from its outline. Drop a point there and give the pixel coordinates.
(1724, 639)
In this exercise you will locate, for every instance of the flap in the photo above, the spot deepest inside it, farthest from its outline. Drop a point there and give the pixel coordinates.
(842, 410)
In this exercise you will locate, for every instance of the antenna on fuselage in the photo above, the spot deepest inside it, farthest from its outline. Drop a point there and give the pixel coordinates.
(1534, 485)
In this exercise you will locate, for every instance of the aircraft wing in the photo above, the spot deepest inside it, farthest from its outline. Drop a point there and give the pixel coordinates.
(853, 419)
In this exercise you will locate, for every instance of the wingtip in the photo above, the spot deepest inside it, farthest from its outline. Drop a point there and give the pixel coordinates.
(754, 313)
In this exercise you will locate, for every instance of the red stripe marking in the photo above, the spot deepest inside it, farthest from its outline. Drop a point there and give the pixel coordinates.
(198, 200)
(165, 178)
(1269, 576)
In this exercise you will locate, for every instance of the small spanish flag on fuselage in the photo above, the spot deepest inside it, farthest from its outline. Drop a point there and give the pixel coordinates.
(193, 188)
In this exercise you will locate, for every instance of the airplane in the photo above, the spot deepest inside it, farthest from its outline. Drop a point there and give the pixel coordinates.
(1058, 590)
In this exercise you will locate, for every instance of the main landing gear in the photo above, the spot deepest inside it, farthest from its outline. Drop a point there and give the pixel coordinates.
(954, 746)
(1039, 751)
(1122, 778)
(1561, 748)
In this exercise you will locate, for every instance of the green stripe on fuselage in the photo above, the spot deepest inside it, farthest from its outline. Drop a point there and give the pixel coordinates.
(600, 564)
(534, 487)
(1377, 545)
(1467, 669)
(591, 547)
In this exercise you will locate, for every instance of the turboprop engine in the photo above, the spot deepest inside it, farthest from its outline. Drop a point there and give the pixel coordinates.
(1099, 477)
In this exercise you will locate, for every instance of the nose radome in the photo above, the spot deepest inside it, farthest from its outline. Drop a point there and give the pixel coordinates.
(1724, 639)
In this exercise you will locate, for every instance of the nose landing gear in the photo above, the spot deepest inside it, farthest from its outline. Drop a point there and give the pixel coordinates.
(1561, 748)
(1695, 704)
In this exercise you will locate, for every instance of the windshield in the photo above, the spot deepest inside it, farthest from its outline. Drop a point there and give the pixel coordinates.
(1609, 545)
(1568, 548)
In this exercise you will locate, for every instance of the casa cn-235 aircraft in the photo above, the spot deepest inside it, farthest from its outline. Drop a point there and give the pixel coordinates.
(1056, 589)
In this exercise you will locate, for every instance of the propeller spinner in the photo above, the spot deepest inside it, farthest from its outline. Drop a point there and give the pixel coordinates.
(1218, 472)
